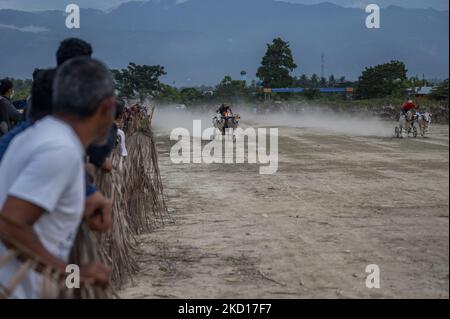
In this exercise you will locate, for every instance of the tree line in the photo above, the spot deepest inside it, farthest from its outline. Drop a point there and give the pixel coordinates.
(277, 66)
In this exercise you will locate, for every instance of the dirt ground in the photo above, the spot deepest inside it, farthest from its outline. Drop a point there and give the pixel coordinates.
(338, 203)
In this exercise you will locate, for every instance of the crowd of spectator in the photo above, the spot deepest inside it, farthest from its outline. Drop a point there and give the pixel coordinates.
(72, 118)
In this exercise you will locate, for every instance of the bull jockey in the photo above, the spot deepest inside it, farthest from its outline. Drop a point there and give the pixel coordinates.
(408, 106)
(224, 110)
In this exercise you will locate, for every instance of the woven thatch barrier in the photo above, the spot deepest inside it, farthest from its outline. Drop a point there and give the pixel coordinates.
(135, 187)
(117, 247)
(54, 280)
(146, 205)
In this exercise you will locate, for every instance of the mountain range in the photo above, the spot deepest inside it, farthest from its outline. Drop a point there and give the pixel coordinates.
(200, 41)
(32, 5)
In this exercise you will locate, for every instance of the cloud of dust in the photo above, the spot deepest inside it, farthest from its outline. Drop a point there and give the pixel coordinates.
(168, 118)
(357, 125)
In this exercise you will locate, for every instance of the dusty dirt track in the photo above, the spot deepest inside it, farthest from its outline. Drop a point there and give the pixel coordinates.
(337, 204)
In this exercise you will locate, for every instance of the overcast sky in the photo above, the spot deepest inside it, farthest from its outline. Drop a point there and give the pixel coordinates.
(106, 4)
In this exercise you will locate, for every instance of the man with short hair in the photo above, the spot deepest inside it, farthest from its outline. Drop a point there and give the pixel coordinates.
(41, 98)
(8, 113)
(72, 47)
(43, 173)
(69, 49)
(100, 155)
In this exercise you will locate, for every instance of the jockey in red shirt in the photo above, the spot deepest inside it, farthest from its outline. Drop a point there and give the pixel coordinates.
(408, 106)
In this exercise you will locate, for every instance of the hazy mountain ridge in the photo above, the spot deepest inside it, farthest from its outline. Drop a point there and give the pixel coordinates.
(31, 5)
(205, 39)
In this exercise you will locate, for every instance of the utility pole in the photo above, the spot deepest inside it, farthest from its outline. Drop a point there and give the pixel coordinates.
(322, 66)
(244, 76)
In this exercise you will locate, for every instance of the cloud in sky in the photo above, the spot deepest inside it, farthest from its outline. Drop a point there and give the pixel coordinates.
(30, 28)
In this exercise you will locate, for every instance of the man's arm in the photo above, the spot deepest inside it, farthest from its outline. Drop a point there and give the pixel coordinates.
(107, 165)
(97, 209)
(3, 116)
(97, 212)
(27, 213)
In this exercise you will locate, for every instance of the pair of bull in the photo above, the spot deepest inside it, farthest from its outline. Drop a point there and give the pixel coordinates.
(407, 124)
(229, 121)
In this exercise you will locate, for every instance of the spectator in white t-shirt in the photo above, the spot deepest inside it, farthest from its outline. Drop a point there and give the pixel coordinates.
(122, 143)
(43, 176)
(120, 109)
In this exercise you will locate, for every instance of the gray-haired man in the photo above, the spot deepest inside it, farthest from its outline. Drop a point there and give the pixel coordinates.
(43, 172)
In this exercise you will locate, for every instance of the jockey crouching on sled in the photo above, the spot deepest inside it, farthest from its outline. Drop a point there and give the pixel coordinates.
(225, 112)
(408, 107)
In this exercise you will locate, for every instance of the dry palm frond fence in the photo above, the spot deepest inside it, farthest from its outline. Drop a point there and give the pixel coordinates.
(53, 279)
(136, 189)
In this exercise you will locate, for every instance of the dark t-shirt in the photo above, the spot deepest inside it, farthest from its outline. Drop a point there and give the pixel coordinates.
(99, 154)
(223, 109)
(8, 113)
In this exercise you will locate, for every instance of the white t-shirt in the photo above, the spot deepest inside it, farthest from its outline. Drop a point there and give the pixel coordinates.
(44, 166)
(123, 146)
